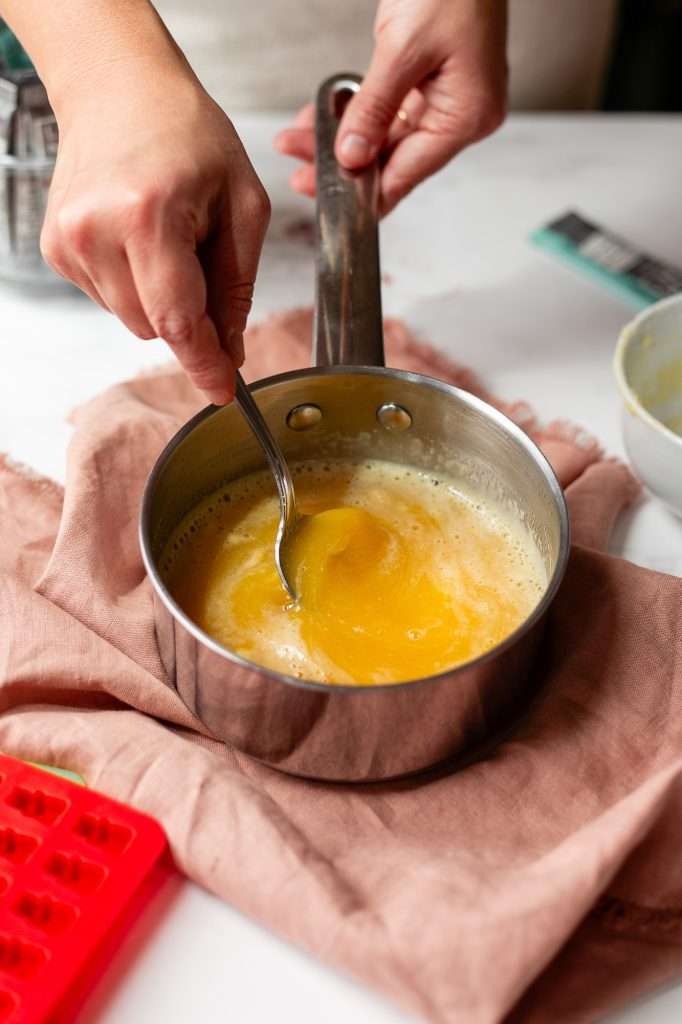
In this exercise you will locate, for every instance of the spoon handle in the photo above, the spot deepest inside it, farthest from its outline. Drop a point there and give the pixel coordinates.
(348, 323)
(273, 452)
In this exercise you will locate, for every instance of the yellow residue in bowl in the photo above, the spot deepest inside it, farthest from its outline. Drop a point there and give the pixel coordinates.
(661, 391)
(674, 424)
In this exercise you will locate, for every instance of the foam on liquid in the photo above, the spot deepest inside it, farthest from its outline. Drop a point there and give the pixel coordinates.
(413, 575)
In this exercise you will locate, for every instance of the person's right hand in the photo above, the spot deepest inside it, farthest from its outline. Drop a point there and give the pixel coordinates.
(156, 212)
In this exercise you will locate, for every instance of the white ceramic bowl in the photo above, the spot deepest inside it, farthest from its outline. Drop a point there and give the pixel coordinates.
(648, 368)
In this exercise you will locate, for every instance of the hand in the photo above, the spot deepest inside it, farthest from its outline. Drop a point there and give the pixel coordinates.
(436, 82)
(156, 213)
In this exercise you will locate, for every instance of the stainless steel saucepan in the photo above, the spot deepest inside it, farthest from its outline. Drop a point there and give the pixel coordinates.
(349, 405)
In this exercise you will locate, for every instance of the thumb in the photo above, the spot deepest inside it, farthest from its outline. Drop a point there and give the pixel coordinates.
(369, 115)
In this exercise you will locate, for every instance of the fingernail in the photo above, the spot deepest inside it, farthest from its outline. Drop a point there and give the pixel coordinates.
(220, 396)
(356, 149)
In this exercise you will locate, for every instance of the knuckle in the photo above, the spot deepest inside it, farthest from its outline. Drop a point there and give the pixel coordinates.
(405, 47)
(241, 305)
(143, 208)
(484, 116)
(374, 111)
(139, 209)
(141, 330)
(240, 296)
(176, 328)
(257, 204)
(50, 248)
(204, 375)
(396, 41)
(203, 367)
(492, 114)
(76, 229)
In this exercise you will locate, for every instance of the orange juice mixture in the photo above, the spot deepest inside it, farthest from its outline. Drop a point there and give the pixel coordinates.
(399, 574)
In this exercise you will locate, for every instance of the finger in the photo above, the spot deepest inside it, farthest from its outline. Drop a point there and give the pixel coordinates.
(303, 181)
(300, 142)
(235, 347)
(230, 260)
(170, 283)
(112, 276)
(369, 115)
(296, 142)
(444, 129)
(414, 158)
(86, 285)
(305, 117)
(407, 119)
(56, 256)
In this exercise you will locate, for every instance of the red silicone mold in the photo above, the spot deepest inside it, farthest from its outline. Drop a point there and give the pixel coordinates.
(72, 863)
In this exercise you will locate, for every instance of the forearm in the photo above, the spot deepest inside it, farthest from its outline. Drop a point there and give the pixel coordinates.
(75, 43)
(148, 170)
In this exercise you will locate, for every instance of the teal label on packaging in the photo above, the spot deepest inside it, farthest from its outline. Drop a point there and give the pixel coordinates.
(608, 259)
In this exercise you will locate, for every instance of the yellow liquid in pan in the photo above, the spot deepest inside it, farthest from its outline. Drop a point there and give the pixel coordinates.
(399, 575)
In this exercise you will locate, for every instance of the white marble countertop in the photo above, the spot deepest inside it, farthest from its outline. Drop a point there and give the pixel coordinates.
(463, 275)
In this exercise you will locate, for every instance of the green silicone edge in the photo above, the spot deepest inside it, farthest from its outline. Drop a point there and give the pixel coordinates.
(623, 285)
(63, 773)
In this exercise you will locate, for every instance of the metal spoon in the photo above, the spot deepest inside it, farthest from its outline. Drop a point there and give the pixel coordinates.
(288, 516)
(348, 323)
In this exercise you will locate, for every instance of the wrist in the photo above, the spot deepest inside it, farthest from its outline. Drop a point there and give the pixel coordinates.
(116, 79)
(125, 49)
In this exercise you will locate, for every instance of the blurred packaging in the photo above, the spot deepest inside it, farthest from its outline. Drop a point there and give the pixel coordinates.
(13, 56)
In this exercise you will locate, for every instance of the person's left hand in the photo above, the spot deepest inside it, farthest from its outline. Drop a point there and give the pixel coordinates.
(436, 83)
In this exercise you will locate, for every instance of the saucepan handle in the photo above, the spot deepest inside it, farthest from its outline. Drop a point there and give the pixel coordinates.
(348, 326)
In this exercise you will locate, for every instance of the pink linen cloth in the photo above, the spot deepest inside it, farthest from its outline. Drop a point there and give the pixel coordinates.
(543, 883)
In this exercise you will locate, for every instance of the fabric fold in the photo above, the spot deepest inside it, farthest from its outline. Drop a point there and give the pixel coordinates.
(542, 883)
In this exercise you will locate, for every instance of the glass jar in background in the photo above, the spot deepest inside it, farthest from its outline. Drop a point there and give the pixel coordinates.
(29, 139)
(24, 185)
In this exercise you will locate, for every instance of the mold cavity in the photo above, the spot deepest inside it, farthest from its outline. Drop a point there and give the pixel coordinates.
(15, 846)
(103, 833)
(44, 912)
(22, 959)
(33, 803)
(75, 872)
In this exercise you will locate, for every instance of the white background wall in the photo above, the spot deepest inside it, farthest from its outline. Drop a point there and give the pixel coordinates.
(270, 54)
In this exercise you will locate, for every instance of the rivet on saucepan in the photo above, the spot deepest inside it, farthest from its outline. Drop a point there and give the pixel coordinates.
(303, 417)
(394, 417)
